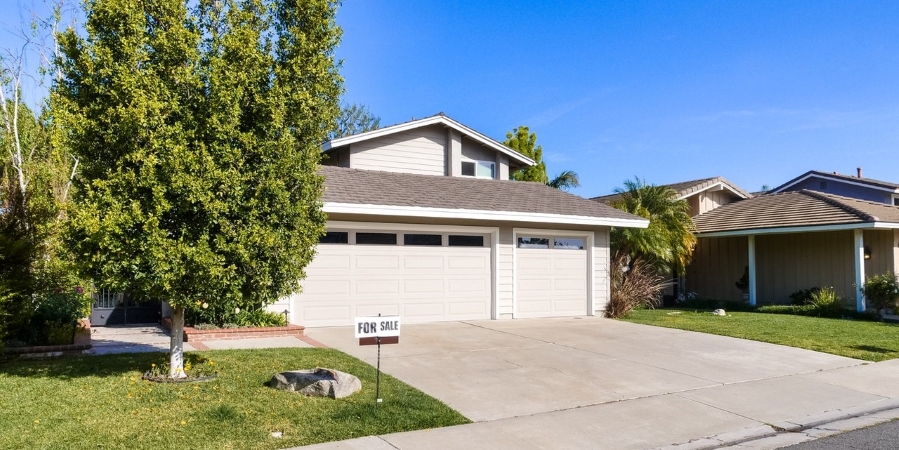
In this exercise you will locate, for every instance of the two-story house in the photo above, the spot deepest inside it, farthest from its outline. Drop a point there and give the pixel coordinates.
(844, 185)
(424, 222)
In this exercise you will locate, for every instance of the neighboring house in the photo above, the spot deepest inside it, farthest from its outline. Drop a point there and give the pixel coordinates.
(423, 222)
(790, 241)
(702, 195)
(845, 185)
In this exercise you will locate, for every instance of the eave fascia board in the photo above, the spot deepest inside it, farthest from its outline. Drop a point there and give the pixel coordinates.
(433, 120)
(801, 229)
(837, 179)
(473, 214)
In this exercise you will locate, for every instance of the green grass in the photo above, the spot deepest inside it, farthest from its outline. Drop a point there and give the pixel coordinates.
(102, 402)
(871, 341)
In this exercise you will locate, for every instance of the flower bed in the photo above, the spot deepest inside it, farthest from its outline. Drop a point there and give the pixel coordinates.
(193, 334)
(81, 343)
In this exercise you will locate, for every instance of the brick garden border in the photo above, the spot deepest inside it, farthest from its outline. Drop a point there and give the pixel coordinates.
(193, 334)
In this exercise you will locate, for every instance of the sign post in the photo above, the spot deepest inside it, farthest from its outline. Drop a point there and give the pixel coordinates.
(376, 331)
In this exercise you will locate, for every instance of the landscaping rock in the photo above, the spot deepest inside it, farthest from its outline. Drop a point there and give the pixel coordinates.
(318, 382)
(719, 312)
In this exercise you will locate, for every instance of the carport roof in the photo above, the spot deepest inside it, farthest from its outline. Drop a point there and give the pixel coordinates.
(372, 192)
(793, 212)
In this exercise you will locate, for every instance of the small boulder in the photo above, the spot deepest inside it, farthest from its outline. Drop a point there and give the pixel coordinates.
(318, 382)
(719, 312)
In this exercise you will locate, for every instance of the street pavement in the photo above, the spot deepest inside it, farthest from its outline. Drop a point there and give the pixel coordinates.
(878, 437)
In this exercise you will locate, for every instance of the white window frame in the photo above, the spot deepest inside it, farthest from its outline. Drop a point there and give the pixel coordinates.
(479, 164)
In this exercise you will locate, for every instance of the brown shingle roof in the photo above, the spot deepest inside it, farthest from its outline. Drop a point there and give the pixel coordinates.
(369, 187)
(794, 209)
(684, 188)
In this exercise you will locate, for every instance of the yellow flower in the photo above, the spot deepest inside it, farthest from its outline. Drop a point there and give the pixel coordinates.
(152, 365)
(183, 423)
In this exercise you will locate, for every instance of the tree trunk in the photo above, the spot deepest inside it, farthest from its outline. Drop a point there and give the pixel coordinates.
(176, 358)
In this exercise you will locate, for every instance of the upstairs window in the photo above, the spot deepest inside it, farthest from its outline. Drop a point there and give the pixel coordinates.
(479, 169)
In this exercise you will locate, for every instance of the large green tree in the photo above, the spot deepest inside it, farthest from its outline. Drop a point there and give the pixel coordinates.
(198, 125)
(354, 119)
(668, 241)
(525, 142)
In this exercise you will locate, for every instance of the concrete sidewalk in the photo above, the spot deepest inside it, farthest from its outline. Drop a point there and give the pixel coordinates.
(595, 383)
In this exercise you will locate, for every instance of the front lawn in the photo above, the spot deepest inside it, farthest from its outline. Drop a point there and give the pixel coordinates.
(871, 341)
(102, 402)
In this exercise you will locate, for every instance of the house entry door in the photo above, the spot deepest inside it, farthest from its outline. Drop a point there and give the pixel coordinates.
(120, 308)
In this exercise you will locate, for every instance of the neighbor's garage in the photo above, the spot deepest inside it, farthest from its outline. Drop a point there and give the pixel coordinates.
(422, 275)
(551, 275)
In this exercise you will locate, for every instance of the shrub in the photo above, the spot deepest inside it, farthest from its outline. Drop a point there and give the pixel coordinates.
(882, 290)
(803, 296)
(826, 302)
(211, 317)
(634, 286)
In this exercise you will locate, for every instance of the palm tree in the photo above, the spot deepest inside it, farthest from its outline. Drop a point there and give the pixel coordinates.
(668, 241)
(565, 181)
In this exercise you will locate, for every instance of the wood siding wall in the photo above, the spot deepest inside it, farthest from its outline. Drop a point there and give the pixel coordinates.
(717, 264)
(882, 244)
(601, 260)
(419, 151)
(786, 263)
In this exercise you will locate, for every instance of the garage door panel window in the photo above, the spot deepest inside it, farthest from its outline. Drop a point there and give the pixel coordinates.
(465, 241)
(335, 237)
(423, 239)
(568, 243)
(376, 238)
(533, 242)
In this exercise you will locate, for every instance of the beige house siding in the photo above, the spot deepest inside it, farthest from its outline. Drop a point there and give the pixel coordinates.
(711, 200)
(420, 151)
(601, 260)
(505, 272)
(717, 264)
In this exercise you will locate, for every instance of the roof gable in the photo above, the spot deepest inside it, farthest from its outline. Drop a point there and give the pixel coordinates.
(401, 194)
(864, 182)
(686, 189)
(440, 119)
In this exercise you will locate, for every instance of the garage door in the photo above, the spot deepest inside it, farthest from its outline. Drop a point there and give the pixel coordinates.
(422, 276)
(551, 276)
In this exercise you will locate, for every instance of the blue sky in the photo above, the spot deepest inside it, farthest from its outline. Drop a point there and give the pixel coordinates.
(758, 92)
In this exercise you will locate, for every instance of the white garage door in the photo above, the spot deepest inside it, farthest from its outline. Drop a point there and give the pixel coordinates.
(422, 276)
(551, 276)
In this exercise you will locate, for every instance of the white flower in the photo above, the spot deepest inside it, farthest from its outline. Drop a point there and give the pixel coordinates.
(236, 310)
(205, 305)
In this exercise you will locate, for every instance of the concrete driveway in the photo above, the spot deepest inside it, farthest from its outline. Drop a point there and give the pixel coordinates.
(599, 383)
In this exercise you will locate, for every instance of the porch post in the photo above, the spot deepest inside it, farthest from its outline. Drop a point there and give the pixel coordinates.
(752, 273)
(859, 270)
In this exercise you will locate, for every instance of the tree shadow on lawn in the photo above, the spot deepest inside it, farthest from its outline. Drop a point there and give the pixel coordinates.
(873, 349)
(70, 367)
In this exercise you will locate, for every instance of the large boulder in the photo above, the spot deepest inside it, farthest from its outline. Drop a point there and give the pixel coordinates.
(318, 382)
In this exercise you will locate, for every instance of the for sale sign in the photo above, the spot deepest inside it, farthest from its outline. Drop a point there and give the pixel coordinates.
(378, 326)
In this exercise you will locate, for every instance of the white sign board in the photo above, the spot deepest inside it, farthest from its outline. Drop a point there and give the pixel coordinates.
(377, 326)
